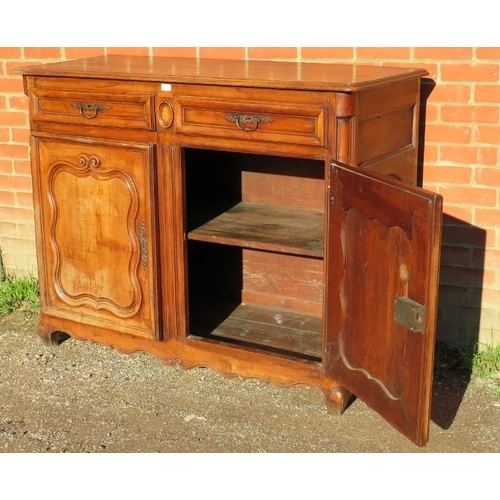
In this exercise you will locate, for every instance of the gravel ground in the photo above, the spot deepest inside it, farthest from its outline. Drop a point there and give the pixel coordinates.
(84, 397)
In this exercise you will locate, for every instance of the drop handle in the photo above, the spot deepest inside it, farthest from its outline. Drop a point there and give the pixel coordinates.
(90, 110)
(248, 123)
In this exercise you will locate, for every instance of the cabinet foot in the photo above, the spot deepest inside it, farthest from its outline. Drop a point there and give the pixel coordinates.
(51, 337)
(337, 400)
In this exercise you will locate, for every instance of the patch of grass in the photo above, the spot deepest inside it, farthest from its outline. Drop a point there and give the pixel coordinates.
(19, 294)
(484, 362)
(481, 360)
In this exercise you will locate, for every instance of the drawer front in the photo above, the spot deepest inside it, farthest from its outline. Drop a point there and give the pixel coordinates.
(261, 121)
(97, 109)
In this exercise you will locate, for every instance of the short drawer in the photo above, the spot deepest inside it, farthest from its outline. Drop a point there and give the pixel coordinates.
(302, 124)
(98, 109)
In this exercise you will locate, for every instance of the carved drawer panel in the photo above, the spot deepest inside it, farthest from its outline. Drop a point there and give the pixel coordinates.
(269, 120)
(121, 110)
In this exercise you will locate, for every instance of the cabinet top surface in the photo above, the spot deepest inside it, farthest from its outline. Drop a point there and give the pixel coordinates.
(263, 74)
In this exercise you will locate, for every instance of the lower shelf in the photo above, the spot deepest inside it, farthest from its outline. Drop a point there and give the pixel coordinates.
(264, 328)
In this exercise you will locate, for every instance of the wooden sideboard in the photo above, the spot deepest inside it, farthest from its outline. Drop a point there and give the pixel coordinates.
(257, 218)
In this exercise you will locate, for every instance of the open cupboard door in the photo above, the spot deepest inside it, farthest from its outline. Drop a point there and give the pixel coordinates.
(382, 288)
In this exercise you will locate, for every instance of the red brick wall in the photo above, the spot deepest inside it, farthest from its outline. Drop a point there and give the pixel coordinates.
(460, 153)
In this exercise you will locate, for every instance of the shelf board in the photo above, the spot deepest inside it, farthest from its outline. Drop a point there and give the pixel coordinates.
(266, 227)
(264, 328)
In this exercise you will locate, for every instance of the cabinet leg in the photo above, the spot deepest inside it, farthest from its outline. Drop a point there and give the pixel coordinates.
(337, 400)
(51, 337)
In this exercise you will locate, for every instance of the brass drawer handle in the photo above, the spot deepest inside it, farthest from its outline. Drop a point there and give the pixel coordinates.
(90, 110)
(248, 123)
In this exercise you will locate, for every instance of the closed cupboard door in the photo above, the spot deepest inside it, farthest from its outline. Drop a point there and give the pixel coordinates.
(383, 255)
(96, 232)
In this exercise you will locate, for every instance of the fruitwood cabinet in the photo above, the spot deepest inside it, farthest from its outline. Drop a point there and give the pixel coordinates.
(258, 218)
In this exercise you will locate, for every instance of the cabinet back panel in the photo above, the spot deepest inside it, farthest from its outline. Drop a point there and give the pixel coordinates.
(225, 273)
(288, 282)
(215, 176)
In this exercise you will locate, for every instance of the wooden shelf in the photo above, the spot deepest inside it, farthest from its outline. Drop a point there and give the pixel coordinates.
(263, 328)
(265, 227)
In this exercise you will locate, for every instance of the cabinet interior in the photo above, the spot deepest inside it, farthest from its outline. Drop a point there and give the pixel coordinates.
(255, 231)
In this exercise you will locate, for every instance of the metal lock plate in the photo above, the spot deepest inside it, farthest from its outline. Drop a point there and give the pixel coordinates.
(409, 314)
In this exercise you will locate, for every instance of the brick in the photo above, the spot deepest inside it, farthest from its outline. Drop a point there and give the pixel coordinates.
(468, 155)
(128, 51)
(272, 53)
(24, 199)
(487, 217)
(20, 135)
(469, 72)
(6, 166)
(7, 198)
(460, 276)
(446, 174)
(327, 52)
(12, 67)
(467, 235)
(488, 176)
(15, 182)
(4, 135)
(432, 69)
(10, 84)
(456, 256)
(488, 52)
(19, 102)
(10, 52)
(175, 51)
(42, 52)
(78, 52)
(430, 153)
(3, 102)
(458, 134)
(486, 258)
(483, 197)
(22, 167)
(470, 114)
(429, 113)
(487, 93)
(17, 264)
(383, 53)
(17, 247)
(487, 134)
(444, 53)
(458, 295)
(16, 214)
(26, 231)
(16, 118)
(223, 52)
(460, 213)
(462, 314)
(14, 151)
(490, 296)
(8, 229)
(450, 93)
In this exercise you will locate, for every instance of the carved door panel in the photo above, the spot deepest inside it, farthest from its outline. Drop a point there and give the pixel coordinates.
(383, 254)
(97, 232)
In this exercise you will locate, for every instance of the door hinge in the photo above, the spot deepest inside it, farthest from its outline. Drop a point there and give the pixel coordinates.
(409, 314)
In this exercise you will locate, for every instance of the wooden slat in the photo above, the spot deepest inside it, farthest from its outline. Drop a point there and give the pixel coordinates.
(264, 328)
(266, 227)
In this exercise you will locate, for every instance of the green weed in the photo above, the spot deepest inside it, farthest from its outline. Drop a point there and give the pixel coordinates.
(19, 294)
(481, 360)
(486, 361)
